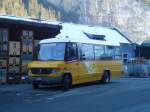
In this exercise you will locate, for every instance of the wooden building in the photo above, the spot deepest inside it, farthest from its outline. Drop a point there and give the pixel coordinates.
(18, 38)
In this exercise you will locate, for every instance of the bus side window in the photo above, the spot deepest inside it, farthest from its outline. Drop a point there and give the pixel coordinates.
(109, 52)
(87, 52)
(99, 51)
(72, 52)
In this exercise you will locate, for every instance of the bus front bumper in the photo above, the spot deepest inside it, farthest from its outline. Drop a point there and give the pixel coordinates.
(45, 80)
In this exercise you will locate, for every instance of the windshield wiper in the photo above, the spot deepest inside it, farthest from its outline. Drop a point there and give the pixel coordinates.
(49, 60)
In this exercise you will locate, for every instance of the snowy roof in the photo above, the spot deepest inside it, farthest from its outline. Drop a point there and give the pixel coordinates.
(30, 21)
(146, 43)
(76, 33)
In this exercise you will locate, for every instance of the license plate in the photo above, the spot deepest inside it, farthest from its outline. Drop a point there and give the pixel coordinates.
(38, 79)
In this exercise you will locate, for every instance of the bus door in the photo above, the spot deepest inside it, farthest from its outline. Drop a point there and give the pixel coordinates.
(72, 59)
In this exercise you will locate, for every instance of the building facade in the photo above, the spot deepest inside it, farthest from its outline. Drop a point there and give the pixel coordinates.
(18, 38)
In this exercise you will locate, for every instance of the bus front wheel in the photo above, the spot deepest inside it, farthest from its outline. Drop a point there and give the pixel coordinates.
(67, 82)
(35, 86)
(106, 77)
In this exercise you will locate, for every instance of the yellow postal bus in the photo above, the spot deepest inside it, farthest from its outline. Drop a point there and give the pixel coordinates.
(75, 56)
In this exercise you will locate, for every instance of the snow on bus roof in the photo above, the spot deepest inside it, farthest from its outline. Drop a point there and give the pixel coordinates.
(76, 33)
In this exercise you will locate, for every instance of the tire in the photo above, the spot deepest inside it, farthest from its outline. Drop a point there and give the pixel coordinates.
(106, 78)
(35, 86)
(67, 82)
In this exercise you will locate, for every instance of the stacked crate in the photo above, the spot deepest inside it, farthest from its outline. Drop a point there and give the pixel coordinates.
(15, 54)
(26, 51)
(3, 54)
(14, 62)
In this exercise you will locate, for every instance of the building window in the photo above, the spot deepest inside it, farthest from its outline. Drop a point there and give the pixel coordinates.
(117, 53)
(125, 57)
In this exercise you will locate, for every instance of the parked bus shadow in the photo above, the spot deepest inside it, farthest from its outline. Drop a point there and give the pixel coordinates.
(51, 88)
(89, 84)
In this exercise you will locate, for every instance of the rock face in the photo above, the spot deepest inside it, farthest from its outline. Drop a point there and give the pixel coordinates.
(29, 8)
(132, 17)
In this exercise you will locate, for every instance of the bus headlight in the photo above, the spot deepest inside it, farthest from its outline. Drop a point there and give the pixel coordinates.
(56, 72)
(29, 70)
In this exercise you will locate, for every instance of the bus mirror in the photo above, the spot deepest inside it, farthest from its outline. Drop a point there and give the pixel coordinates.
(36, 51)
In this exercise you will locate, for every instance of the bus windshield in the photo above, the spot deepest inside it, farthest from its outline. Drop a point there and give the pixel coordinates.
(52, 51)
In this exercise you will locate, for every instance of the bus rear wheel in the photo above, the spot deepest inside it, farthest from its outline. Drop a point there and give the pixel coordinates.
(67, 82)
(105, 78)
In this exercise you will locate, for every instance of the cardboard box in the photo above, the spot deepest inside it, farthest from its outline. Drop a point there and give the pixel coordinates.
(3, 55)
(25, 33)
(3, 63)
(3, 80)
(24, 66)
(24, 69)
(26, 57)
(14, 48)
(3, 50)
(30, 49)
(27, 49)
(3, 72)
(5, 47)
(14, 69)
(28, 34)
(1, 47)
(25, 63)
(36, 42)
(30, 42)
(14, 78)
(23, 38)
(14, 44)
(24, 41)
(14, 61)
(27, 42)
(3, 75)
(3, 35)
(31, 34)
(24, 49)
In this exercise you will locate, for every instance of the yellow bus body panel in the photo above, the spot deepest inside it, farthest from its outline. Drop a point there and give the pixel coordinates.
(81, 71)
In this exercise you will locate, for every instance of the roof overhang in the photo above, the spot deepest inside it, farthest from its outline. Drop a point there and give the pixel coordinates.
(30, 21)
